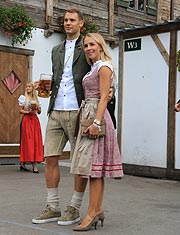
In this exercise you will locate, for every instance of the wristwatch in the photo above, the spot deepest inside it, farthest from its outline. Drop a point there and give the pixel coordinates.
(98, 122)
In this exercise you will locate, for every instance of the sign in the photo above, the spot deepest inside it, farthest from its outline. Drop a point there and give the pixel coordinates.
(132, 45)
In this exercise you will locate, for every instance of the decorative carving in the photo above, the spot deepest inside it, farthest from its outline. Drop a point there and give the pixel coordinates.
(11, 81)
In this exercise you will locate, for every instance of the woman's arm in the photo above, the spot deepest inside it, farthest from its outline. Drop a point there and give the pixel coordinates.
(105, 74)
(22, 111)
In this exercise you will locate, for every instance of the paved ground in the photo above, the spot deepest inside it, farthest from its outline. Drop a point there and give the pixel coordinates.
(132, 205)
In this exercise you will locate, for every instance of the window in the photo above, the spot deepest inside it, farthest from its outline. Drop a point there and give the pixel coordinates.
(138, 4)
(152, 7)
(147, 6)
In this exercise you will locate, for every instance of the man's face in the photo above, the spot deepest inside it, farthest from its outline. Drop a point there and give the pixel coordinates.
(72, 24)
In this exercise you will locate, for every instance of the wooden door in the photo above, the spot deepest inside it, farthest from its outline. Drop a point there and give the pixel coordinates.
(13, 77)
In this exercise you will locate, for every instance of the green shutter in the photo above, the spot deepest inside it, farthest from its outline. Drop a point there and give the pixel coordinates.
(152, 7)
(123, 3)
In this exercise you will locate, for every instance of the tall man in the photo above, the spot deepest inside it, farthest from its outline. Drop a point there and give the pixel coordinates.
(69, 66)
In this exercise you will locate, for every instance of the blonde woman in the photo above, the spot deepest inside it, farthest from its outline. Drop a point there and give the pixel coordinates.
(96, 157)
(31, 146)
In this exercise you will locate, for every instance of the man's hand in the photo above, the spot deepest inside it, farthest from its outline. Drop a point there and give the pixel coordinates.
(177, 107)
(36, 85)
(110, 94)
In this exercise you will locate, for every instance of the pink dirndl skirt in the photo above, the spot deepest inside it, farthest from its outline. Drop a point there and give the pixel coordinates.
(99, 157)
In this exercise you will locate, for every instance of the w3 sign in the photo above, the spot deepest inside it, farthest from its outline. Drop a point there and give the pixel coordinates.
(132, 45)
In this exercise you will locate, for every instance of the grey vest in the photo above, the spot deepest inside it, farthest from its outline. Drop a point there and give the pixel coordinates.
(79, 68)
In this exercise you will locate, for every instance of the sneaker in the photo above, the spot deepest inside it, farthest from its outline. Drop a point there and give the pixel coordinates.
(48, 215)
(71, 216)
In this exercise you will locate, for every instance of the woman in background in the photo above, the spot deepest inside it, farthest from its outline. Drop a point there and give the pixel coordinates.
(31, 146)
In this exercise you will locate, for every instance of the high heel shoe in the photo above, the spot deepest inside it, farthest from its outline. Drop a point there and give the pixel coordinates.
(101, 218)
(23, 168)
(94, 222)
(35, 169)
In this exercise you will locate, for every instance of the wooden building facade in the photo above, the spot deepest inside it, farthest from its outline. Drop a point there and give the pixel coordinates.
(108, 14)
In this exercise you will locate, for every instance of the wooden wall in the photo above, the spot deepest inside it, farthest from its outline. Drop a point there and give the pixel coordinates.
(164, 9)
(98, 10)
(126, 17)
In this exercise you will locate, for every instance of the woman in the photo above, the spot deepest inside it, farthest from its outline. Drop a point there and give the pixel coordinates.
(31, 146)
(96, 157)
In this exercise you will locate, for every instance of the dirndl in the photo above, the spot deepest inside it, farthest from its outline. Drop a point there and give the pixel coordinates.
(98, 157)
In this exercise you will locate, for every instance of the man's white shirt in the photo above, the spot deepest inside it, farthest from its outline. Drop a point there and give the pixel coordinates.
(66, 97)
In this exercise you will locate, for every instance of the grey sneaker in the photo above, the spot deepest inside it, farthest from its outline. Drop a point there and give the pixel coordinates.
(70, 216)
(48, 215)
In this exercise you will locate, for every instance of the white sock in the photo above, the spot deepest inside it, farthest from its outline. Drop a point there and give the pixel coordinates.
(76, 200)
(53, 198)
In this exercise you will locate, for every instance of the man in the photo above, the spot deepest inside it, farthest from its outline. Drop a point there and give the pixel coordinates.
(69, 66)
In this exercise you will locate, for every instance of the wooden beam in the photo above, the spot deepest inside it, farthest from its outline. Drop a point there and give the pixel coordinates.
(172, 9)
(17, 50)
(9, 150)
(136, 4)
(111, 17)
(145, 171)
(9, 156)
(146, 31)
(171, 103)
(49, 11)
(161, 47)
(149, 171)
(119, 99)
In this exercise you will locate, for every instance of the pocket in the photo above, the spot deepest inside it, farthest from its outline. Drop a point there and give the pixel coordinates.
(53, 115)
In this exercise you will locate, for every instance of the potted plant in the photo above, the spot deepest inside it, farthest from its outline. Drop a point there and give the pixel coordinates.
(89, 26)
(16, 24)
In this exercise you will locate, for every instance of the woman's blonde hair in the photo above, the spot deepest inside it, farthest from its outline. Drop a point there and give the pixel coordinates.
(34, 95)
(104, 54)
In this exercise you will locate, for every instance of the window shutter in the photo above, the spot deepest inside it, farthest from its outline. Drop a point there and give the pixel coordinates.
(152, 7)
(123, 3)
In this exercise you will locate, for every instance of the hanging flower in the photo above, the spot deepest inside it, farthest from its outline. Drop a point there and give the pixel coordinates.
(89, 26)
(16, 24)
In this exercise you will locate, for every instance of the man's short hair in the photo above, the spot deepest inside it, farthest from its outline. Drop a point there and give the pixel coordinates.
(75, 10)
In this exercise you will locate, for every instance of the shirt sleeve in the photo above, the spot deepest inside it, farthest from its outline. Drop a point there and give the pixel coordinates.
(21, 100)
(105, 63)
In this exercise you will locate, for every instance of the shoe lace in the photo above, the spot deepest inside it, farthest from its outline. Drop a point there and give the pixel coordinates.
(67, 209)
(47, 208)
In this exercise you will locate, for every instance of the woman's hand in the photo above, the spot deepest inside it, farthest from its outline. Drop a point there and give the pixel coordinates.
(32, 111)
(93, 131)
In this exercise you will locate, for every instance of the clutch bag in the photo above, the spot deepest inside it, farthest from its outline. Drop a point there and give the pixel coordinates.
(85, 123)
